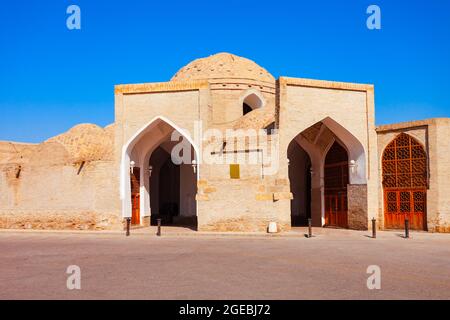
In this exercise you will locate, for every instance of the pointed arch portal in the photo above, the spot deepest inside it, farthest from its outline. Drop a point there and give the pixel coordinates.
(154, 184)
(325, 163)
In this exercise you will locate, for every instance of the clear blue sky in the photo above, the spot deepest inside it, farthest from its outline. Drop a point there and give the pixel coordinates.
(52, 78)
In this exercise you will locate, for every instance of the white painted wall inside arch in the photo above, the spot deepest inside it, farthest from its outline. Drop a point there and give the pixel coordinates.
(140, 147)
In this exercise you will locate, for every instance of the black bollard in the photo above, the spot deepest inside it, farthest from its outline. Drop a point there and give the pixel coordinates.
(406, 227)
(309, 228)
(158, 233)
(128, 226)
(374, 228)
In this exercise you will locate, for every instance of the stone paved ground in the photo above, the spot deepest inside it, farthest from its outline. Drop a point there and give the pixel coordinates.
(331, 265)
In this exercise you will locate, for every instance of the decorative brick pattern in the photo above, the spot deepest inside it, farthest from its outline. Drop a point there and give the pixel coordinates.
(357, 207)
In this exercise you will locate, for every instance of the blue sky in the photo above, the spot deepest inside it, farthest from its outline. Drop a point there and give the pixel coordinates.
(52, 78)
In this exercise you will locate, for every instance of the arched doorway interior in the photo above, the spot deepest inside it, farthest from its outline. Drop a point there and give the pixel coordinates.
(300, 184)
(336, 180)
(329, 163)
(404, 166)
(172, 190)
(159, 173)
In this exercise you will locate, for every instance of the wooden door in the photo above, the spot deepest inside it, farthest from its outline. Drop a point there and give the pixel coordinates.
(400, 204)
(136, 208)
(135, 197)
(336, 181)
(405, 181)
(336, 210)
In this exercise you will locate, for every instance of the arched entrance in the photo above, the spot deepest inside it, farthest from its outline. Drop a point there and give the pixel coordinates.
(173, 188)
(300, 184)
(335, 181)
(404, 166)
(328, 177)
(159, 163)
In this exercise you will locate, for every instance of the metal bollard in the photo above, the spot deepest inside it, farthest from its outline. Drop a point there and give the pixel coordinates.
(128, 226)
(406, 227)
(158, 233)
(374, 228)
(309, 228)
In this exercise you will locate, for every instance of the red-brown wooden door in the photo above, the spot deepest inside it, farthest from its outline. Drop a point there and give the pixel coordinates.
(336, 210)
(136, 208)
(400, 204)
(336, 181)
(405, 181)
(135, 197)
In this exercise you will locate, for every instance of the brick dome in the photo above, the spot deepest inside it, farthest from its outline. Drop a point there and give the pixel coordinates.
(87, 142)
(223, 66)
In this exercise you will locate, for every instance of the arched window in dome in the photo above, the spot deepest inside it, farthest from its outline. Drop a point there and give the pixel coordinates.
(250, 103)
(246, 109)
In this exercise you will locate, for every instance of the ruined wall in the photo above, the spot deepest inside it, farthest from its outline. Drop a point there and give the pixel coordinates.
(63, 183)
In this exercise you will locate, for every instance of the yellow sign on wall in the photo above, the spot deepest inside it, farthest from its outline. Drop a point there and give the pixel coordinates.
(235, 171)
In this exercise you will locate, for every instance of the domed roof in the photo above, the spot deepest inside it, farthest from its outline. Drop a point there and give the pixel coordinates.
(220, 66)
(87, 142)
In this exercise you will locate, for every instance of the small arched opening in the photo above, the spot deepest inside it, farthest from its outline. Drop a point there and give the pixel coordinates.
(251, 102)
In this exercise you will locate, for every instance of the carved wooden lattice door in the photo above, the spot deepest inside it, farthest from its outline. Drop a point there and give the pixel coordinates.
(336, 180)
(405, 183)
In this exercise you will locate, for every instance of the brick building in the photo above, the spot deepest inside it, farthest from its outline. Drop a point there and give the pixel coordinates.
(254, 150)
